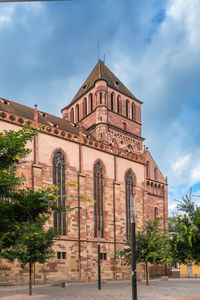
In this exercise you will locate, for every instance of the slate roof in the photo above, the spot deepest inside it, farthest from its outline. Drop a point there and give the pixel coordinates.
(101, 71)
(17, 109)
(43, 117)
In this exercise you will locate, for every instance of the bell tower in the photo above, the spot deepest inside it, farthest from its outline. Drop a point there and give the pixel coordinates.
(107, 109)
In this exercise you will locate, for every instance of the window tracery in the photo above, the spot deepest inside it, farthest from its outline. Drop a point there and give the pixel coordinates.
(59, 181)
(98, 198)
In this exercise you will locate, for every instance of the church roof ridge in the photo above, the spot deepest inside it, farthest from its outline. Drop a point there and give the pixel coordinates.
(10, 111)
(44, 118)
(102, 72)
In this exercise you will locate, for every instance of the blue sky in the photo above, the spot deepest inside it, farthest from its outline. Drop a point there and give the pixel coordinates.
(48, 49)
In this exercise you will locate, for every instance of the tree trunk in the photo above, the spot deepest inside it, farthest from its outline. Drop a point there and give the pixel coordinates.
(34, 273)
(166, 273)
(146, 273)
(30, 279)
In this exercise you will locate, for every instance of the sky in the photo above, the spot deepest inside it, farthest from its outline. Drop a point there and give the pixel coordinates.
(47, 50)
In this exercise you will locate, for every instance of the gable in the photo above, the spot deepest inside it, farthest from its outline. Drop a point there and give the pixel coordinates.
(153, 169)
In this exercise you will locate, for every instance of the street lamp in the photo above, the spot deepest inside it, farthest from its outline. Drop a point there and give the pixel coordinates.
(133, 240)
(99, 261)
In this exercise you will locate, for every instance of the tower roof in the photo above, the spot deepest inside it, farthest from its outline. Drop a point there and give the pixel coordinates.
(101, 71)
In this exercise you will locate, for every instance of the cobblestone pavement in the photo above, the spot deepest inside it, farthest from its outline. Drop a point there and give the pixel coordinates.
(174, 289)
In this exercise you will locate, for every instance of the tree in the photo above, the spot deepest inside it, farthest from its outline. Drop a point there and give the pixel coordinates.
(33, 244)
(25, 206)
(185, 232)
(12, 151)
(23, 212)
(29, 242)
(152, 246)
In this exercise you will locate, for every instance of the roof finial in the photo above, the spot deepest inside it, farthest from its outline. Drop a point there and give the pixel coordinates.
(104, 58)
(36, 115)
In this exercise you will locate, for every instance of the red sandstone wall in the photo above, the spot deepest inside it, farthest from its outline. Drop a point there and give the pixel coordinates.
(71, 268)
(118, 121)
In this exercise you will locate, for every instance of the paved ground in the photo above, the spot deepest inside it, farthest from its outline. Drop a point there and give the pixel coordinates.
(174, 289)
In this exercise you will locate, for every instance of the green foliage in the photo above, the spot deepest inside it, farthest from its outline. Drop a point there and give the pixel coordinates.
(23, 212)
(9, 181)
(25, 206)
(32, 244)
(35, 204)
(13, 146)
(185, 232)
(12, 150)
(152, 245)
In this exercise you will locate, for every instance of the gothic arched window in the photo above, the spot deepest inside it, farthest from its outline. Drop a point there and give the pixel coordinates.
(133, 111)
(127, 108)
(159, 190)
(98, 198)
(118, 104)
(148, 169)
(100, 98)
(163, 191)
(155, 174)
(59, 181)
(91, 102)
(129, 191)
(155, 213)
(112, 101)
(72, 115)
(84, 107)
(77, 113)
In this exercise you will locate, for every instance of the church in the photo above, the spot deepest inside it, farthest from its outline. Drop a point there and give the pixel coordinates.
(95, 150)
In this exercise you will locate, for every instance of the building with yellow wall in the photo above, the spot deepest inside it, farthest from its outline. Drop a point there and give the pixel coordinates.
(189, 270)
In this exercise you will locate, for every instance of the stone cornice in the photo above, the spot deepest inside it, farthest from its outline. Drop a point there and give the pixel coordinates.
(80, 138)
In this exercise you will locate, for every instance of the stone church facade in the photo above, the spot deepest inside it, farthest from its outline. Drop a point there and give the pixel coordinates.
(97, 144)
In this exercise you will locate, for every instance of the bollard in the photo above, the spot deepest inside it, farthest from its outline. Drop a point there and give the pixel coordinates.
(63, 284)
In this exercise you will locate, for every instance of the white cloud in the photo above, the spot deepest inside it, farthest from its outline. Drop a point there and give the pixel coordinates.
(195, 173)
(165, 77)
(6, 14)
(186, 15)
(172, 206)
(162, 68)
(181, 163)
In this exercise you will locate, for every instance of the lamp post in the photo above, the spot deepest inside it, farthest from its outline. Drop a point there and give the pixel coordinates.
(99, 261)
(133, 240)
